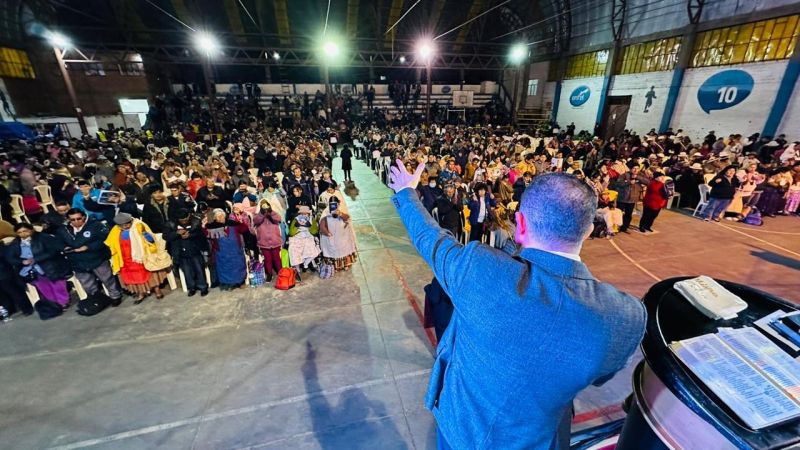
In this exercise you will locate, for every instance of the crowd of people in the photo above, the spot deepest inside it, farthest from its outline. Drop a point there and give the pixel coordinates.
(475, 177)
(120, 214)
(125, 209)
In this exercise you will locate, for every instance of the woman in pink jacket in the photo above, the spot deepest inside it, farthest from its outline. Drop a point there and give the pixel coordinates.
(267, 224)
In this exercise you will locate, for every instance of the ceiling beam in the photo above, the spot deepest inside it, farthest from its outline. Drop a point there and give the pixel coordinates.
(282, 20)
(352, 18)
(179, 6)
(235, 18)
(395, 12)
(474, 10)
(438, 6)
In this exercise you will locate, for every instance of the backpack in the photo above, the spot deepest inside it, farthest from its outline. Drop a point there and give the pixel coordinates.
(93, 304)
(47, 309)
(326, 271)
(286, 279)
(600, 230)
(754, 218)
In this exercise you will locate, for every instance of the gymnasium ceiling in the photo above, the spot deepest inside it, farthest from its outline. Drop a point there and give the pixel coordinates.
(299, 23)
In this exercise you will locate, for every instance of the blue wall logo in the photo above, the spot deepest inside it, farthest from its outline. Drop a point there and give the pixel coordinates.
(580, 95)
(446, 89)
(724, 90)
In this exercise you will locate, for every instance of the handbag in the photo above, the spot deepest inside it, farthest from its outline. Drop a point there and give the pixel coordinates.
(158, 260)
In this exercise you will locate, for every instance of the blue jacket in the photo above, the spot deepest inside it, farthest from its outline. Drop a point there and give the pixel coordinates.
(526, 336)
(475, 209)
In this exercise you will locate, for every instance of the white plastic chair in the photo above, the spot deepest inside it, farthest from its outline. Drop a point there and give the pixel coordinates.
(78, 287)
(183, 278)
(17, 210)
(45, 194)
(704, 190)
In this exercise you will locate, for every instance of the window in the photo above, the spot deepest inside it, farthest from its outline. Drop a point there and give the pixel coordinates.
(15, 64)
(592, 64)
(93, 69)
(533, 87)
(766, 40)
(131, 69)
(653, 56)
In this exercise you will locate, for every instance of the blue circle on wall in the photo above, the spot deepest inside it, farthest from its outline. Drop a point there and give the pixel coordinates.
(580, 95)
(446, 89)
(724, 90)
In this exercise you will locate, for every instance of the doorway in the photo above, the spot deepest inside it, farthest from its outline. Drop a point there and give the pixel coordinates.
(616, 115)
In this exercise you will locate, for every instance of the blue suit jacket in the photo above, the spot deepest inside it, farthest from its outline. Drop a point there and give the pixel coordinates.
(526, 336)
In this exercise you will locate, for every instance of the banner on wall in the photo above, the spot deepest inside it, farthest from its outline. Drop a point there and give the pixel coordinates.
(724, 90)
(579, 96)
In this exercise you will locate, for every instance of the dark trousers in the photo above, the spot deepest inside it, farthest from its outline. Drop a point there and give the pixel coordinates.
(194, 274)
(476, 232)
(347, 175)
(272, 260)
(627, 214)
(648, 217)
(13, 298)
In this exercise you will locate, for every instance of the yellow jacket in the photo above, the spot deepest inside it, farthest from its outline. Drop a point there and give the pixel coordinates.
(112, 241)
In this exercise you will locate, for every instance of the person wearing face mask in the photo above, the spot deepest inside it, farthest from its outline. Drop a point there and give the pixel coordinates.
(303, 246)
(336, 240)
(430, 193)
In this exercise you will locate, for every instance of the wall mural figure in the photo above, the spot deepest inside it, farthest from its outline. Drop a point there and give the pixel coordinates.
(650, 96)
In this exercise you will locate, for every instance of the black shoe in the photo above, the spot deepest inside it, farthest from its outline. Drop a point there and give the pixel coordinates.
(116, 302)
(269, 278)
(312, 268)
(305, 269)
(191, 293)
(204, 292)
(214, 284)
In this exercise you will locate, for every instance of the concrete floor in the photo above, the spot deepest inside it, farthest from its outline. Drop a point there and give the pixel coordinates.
(333, 364)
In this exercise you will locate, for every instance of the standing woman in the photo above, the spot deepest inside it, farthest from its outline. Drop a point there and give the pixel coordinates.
(37, 258)
(267, 223)
(226, 249)
(723, 188)
(347, 164)
(655, 199)
(336, 240)
(131, 242)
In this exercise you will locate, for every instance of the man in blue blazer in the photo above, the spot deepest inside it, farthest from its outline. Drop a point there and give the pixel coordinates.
(528, 332)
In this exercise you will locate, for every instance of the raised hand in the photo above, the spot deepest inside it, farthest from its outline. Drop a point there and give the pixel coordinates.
(401, 179)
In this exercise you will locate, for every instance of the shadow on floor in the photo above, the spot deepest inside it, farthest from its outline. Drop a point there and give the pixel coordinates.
(775, 258)
(351, 190)
(355, 422)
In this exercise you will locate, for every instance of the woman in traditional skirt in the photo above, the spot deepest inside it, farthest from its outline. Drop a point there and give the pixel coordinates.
(37, 258)
(227, 249)
(337, 239)
(129, 241)
(303, 247)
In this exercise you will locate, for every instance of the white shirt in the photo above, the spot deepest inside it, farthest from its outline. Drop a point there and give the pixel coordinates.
(571, 256)
(482, 211)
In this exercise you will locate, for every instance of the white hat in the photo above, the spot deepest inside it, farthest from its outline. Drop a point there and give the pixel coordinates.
(696, 166)
(772, 144)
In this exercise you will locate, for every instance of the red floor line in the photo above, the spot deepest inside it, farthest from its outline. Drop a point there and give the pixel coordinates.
(597, 413)
(414, 302)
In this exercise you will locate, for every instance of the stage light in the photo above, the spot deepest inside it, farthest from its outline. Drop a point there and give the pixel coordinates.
(331, 49)
(58, 40)
(426, 50)
(276, 56)
(402, 60)
(518, 53)
(206, 43)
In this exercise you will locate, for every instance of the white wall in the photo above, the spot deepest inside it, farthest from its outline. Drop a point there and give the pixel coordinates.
(790, 125)
(538, 71)
(745, 118)
(637, 86)
(584, 115)
(549, 95)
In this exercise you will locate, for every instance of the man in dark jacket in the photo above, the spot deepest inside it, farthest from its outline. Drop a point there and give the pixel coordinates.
(520, 184)
(12, 290)
(157, 211)
(187, 244)
(213, 195)
(450, 209)
(630, 186)
(178, 198)
(88, 254)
